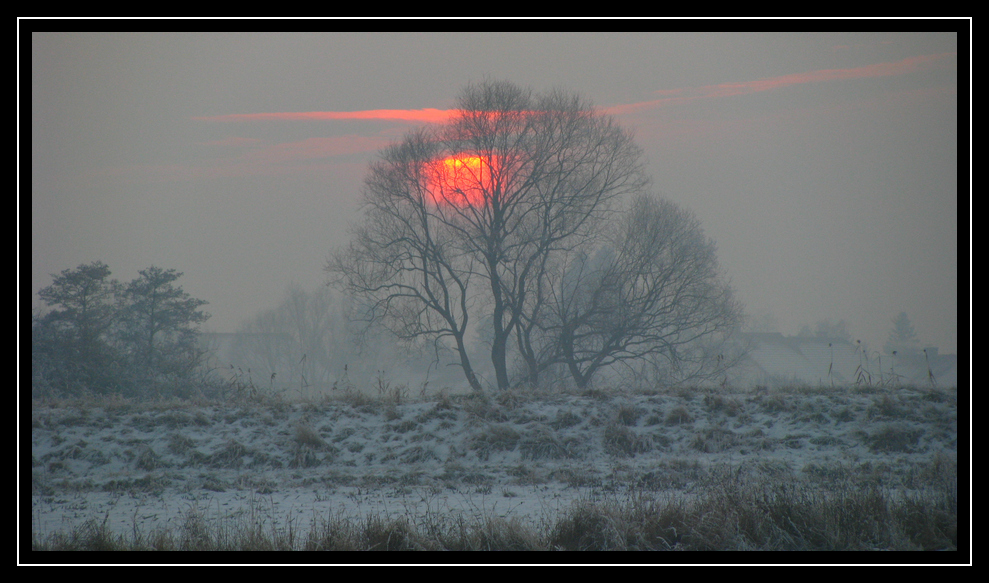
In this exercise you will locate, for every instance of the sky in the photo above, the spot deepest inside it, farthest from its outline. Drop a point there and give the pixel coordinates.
(823, 164)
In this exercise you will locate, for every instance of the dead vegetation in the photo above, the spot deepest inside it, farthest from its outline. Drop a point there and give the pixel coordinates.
(842, 469)
(733, 513)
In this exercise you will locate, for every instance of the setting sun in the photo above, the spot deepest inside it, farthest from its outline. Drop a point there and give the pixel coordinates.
(462, 180)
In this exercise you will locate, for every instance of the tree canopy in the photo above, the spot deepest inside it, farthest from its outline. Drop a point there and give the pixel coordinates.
(99, 335)
(482, 217)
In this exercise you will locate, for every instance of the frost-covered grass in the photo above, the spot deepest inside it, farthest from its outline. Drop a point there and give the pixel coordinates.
(691, 469)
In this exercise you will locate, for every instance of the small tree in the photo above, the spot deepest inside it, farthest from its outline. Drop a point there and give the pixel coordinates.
(902, 339)
(159, 326)
(72, 343)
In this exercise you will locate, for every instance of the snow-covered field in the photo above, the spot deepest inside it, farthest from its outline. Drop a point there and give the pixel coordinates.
(140, 467)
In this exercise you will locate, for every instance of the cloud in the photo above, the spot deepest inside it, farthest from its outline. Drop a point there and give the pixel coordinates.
(256, 157)
(903, 67)
(405, 115)
(683, 95)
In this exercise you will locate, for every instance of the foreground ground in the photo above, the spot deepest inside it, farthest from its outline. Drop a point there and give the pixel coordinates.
(801, 468)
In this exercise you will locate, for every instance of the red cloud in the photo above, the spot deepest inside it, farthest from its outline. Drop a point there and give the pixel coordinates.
(409, 115)
(671, 96)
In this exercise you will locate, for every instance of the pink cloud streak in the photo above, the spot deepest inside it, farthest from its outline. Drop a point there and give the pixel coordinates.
(683, 95)
(409, 115)
(259, 158)
(671, 96)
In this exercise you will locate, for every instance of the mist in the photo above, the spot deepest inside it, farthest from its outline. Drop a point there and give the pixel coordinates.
(719, 313)
(824, 165)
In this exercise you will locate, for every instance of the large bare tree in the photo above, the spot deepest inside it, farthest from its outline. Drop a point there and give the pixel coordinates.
(464, 218)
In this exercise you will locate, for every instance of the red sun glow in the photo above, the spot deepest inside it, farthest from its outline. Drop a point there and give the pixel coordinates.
(462, 181)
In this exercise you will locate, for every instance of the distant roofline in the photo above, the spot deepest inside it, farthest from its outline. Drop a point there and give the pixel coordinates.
(779, 336)
(246, 334)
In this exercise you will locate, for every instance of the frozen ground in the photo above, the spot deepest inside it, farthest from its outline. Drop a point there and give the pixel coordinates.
(146, 466)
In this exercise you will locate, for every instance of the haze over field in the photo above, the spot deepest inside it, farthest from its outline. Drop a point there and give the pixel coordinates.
(823, 164)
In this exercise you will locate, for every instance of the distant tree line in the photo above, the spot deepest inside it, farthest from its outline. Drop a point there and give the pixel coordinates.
(902, 340)
(309, 344)
(101, 336)
(303, 341)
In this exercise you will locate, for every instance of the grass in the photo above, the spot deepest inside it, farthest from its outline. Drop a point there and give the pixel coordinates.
(673, 502)
(735, 512)
(679, 416)
(621, 441)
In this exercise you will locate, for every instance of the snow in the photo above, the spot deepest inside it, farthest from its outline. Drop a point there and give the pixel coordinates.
(147, 466)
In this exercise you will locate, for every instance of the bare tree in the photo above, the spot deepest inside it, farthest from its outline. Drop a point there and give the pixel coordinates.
(304, 340)
(465, 218)
(649, 288)
(316, 329)
(402, 263)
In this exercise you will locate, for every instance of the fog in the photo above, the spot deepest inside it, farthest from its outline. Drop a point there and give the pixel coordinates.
(824, 165)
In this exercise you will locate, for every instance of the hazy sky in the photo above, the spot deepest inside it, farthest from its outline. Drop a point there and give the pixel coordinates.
(823, 164)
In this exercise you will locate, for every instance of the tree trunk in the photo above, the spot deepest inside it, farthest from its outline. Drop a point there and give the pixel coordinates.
(465, 364)
(499, 356)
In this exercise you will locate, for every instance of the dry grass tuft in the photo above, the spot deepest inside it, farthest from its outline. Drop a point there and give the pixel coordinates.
(894, 438)
(307, 436)
(628, 415)
(565, 418)
(620, 441)
(590, 528)
(679, 416)
(496, 437)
